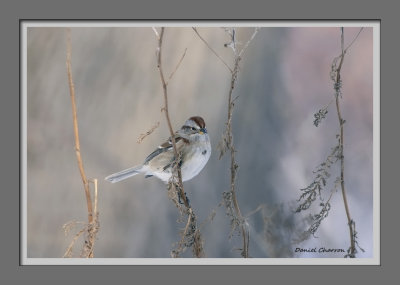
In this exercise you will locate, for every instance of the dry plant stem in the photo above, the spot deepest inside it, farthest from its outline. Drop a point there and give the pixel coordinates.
(341, 122)
(234, 165)
(68, 252)
(149, 132)
(182, 240)
(93, 225)
(228, 137)
(76, 132)
(213, 51)
(177, 66)
(94, 180)
(198, 250)
(164, 85)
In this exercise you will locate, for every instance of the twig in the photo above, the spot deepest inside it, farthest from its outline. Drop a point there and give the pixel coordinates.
(209, 218)
(177, 66)
(69, 225)
(234, 165)
(249, 41)
(94, 180)
(92, 226)
(210, 48)
(181, 243)
(76, 131)
(337, 154)
(227, 143)
(259, 208)
(149, 132)
(68, 252)
(190, 232)
(322, 112)
(341, 123)
(164, 85)
(156, 32)
(359, 32)
(317, 218)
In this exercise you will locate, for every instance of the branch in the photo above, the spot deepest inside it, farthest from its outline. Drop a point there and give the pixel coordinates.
(249, 41)
(164, 85)
(337, 155)
(234, 165)
(177, 66)
(191, 235)
(149, 132)
(359, 32)
(338, 84)
(76, 131)
(230, 198)
(213, 51)
(92, 227)
(68, 252)
(156, 33)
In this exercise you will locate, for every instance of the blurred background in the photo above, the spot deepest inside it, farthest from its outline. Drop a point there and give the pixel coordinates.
(284, 79)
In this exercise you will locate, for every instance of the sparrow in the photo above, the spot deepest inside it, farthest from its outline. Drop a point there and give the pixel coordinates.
(194, 149)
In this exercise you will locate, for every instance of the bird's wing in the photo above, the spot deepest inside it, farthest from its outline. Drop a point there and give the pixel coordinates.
(167, 146)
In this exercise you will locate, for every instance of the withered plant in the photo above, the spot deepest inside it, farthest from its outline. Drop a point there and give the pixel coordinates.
(91, 228)
(324, 171)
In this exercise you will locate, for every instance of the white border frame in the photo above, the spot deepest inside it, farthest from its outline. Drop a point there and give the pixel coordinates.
(204, 261)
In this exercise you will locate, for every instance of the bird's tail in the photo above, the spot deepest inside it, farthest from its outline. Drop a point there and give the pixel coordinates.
(124, 174)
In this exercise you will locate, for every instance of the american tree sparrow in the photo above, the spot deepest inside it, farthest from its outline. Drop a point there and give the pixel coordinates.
(193, 145)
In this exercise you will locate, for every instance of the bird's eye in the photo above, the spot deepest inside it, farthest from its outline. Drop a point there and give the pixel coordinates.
(193, 128)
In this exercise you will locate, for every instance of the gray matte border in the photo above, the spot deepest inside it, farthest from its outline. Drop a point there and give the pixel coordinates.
(9, 120)
(25, 24)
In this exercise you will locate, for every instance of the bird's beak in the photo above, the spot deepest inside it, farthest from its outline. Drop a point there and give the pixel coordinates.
(203, 131)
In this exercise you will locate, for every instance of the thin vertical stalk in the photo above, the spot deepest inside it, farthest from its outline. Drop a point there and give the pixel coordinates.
(164, 85)
(197, 242)
(350, 222)
(76, 131)
(234, 166)
(92, 227)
